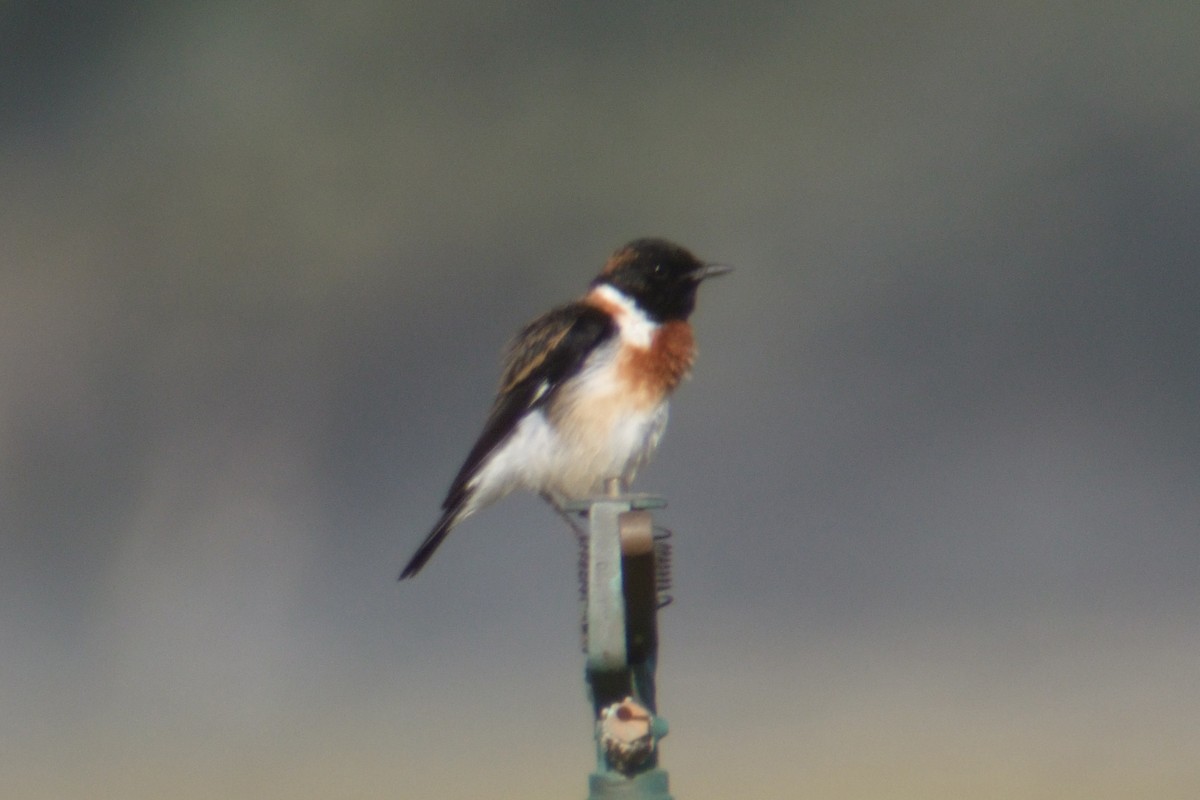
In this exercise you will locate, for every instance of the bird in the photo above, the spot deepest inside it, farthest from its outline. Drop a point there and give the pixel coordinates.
(584, 390)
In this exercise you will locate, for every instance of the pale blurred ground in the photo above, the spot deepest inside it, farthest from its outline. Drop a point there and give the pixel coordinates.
(934, 484)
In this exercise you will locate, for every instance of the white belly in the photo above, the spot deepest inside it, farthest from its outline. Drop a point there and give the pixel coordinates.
(568, 460)
(597, 427)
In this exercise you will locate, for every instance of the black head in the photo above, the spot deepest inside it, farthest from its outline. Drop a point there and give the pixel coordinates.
(662, 277)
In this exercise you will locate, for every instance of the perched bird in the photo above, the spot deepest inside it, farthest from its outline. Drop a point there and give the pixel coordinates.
(583, 396)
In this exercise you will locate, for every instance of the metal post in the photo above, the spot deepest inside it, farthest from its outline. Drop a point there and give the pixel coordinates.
(622, 646)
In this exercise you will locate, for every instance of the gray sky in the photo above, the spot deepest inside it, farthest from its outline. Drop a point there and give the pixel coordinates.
(934, 483)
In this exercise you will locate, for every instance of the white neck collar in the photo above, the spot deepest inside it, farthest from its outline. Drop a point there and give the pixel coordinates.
(636, 328)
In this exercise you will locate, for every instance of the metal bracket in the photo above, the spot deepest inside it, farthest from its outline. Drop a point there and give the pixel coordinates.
(621, 644)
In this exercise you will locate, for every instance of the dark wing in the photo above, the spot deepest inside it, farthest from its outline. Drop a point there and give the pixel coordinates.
(546, 353)
(539, 359)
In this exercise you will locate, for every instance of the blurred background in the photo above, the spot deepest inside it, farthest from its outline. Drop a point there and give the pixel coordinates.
(935, 484)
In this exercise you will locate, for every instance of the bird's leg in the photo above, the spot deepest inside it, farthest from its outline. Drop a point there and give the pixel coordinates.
(567, 517)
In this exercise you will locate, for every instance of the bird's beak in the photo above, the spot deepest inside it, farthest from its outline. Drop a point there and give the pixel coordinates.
(710, 271)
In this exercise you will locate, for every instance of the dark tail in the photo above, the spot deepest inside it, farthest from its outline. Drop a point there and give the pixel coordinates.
(449, 519)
